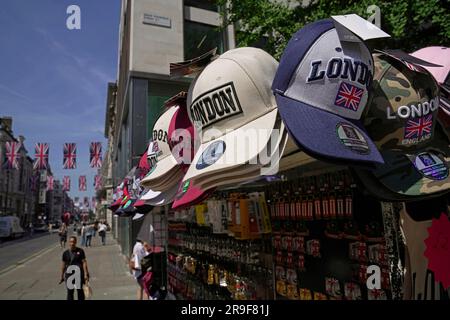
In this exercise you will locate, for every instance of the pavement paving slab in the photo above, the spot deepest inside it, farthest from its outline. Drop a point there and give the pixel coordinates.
(35, 276)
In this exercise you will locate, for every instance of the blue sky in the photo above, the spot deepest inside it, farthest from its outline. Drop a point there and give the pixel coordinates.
(53, 81)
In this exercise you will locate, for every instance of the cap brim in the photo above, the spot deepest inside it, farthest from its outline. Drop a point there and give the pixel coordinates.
(191, 196)
(162, 168)
(315, 132)
(232, 157)
(400, 175)
(275, 148)
(372, 185)
(138, 216)
(164, 198)
(150, 194)
(247, 172)
(170, 182)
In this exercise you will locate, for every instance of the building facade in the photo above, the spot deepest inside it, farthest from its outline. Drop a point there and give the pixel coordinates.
(16, 195)
(152, 34)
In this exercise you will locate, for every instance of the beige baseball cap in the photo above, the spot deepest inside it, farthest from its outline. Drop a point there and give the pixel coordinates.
(231, 103)
(165, 161)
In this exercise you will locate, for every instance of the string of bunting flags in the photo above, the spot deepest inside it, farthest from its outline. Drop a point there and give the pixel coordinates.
(41, 162)
(41, 155)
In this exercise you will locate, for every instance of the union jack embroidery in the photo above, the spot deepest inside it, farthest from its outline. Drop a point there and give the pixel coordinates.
(349, 96)
(96, 154)
(12, 154)
(41, 156)
(70, 156)
(417, 128)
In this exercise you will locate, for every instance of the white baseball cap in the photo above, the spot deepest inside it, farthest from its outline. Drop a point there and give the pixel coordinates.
(272, 154)
(230, 99)
(160, 149)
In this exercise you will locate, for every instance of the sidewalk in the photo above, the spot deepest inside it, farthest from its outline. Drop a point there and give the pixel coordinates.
(37, 278)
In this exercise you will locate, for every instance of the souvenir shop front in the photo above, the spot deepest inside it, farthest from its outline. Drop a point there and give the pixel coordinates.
(322, 177)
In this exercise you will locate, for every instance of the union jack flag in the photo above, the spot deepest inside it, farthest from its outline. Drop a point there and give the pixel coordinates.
(12, 154)
(70, 156)
(66, 183)
(50, 183)
(96, 154)
(349, 96)
(417, 128)
(41, 156)
(82, 183)
(98, 182)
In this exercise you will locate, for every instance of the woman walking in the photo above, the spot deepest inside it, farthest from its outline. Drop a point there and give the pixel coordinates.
(63, 235)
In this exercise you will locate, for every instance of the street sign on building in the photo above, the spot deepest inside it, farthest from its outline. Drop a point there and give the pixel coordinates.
(156, 20)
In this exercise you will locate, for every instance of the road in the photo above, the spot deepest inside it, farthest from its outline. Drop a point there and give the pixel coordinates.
(30, 269)
(15, 251)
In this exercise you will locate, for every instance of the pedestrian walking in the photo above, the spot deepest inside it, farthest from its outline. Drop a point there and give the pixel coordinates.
(135, 267)
(89, 233)
(83, 235)
(74, 256)
(63, 235)
(102, 232)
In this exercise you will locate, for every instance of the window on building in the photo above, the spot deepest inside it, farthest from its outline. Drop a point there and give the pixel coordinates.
(158, 93)
(200, 38)
(202, 4)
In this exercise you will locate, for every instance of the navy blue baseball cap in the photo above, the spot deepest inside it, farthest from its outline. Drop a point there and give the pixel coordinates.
(321, 87)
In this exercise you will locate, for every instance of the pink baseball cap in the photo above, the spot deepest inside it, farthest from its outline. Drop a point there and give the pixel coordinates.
(440, 56)
(181, 134)
(181, 141)
(189, 194)
(436, 55)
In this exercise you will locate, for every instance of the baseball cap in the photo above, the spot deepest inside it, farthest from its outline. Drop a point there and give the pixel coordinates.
(441, 57)
(402, 121)
(164, 198)
(251, 170)
(188, 194)
(183, 146)
(165, 162)
(115, 205)
(229, 100)
(321, 88)
(138, 216)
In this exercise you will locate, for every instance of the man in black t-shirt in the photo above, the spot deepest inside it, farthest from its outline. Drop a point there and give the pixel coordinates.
(74, 256)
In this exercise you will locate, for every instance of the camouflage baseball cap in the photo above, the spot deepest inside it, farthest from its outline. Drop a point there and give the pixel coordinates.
(402, 122)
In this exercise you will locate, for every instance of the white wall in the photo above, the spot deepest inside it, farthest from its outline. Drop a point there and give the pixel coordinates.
(154, 47)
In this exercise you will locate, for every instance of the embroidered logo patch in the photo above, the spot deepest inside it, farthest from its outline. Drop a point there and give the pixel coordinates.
(431, 166)
(212, 153)
(352, 138)
(348, 96)
(419, 127)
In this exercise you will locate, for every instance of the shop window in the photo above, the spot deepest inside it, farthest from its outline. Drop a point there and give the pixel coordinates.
(200, 38)
(210, 5)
